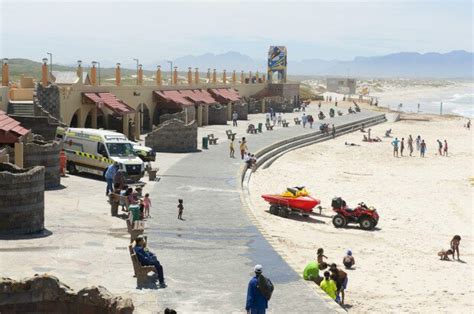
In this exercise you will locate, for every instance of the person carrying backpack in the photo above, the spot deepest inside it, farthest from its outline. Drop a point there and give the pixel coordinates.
(259, 292)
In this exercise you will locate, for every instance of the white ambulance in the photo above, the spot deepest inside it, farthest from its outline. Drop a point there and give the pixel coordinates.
(92, 151)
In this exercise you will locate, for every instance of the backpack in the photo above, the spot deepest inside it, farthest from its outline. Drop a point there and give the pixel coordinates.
(265, 286)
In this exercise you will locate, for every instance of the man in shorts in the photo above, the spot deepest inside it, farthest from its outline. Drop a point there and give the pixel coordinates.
(341, 280)
(395, 147)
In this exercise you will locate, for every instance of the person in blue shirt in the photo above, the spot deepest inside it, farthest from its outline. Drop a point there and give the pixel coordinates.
(395, 147)
(145, 257)
(109, 177)
(256, 301)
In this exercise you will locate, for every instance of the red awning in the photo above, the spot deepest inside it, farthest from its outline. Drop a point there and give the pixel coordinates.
(10, 129)
(110, 101)
(228, 94)
(175, 97)
(198, 96)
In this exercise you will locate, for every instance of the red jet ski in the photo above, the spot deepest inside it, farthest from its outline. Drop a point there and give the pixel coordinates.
(295, 199)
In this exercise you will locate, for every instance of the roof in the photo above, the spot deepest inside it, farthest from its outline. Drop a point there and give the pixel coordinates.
(198, 96)
(228, 94)
(10, 129)
(175, 97)
(110, 101)
(68, 77)
(98, 132)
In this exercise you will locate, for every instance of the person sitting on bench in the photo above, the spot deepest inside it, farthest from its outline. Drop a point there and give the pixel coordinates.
(147, 258)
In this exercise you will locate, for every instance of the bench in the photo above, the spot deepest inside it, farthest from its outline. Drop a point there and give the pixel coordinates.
(115, 200)
(230, 135)
(285, 124)
(251, 129)
(297, 121)
(212, 139)
(141, 272)
(135, 230)
(269, 126)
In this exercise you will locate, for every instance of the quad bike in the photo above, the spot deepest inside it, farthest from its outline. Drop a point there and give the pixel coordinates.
(295, 200)
(366, 217)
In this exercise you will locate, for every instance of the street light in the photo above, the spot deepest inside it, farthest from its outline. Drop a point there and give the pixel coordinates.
(138, 62)
(50, 62)
(5, 60)
(79, 63)
(45, 60)
(171, 71)
(97, 63)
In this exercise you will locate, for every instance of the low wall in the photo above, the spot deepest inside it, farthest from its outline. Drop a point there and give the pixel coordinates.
(217, 114)
(173, 136)
(46, 154)
(46, 294)
(21, 199)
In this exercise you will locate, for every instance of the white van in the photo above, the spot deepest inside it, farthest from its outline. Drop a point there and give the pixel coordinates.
(92, 151)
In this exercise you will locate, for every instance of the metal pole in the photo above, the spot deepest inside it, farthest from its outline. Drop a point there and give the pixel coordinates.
(50, 62)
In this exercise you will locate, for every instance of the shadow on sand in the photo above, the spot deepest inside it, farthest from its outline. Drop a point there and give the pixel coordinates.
(38, 235)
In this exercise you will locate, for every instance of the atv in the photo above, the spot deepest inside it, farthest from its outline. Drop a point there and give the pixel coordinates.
(366, 217)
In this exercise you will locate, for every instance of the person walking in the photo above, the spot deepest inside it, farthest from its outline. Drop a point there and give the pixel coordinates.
(310, 121)
(279, 119)
(418, 143)
(402, 146)
(256, 303)
(410, 144)
(243, 147)
(395, 143)
(333, 131)
(440, 147)
(445, 148)
(110, 173)
(304, 119)
(235, 116)
(231, 148)
(147, 258)
(422, 148)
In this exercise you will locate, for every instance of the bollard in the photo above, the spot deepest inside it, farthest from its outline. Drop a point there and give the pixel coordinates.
(205, 142)
(260, 125)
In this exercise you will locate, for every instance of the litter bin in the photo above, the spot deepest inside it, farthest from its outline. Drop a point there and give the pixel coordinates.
(205, 142)
(260, 125)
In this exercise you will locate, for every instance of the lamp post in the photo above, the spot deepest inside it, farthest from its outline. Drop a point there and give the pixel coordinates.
(50, 62)
(98, 68)
(138, 62)
(171, 71)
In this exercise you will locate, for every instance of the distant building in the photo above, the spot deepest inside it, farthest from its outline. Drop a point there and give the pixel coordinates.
(341, 85)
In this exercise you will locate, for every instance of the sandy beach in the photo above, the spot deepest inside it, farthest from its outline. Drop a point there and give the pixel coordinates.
(422, 202)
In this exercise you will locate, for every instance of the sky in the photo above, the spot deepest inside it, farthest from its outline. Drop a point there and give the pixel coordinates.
(118, 31)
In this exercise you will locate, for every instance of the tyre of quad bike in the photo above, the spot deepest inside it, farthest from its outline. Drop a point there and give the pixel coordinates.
(366, 223)
(274, 210)
(339, 221)
(283, 212)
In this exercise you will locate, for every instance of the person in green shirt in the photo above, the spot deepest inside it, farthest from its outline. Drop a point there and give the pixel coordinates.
(311, 271)
(329, 286)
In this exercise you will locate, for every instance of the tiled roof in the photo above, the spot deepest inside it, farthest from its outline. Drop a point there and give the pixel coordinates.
(10, 129)
(110, 101)
(175, 97)
(198, 96)
(229, 94)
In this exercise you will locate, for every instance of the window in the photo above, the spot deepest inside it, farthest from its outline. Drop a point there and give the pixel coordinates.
(101, 150)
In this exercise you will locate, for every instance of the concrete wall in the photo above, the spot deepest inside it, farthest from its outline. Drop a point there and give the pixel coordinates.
(217, 114)
(21, 199)
(173, 136)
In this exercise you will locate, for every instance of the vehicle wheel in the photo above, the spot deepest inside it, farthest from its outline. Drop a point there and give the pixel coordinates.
(274, 210)
(305, 215)
(339, 221)
(283, 212)
(71, 167)
(367, 223)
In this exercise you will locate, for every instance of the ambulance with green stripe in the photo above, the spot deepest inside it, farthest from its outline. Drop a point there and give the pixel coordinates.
(92, 151)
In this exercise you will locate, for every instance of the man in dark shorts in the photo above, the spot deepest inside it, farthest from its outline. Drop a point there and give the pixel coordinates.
(341, 280)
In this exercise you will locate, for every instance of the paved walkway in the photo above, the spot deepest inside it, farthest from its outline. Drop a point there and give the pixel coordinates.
(208, 258)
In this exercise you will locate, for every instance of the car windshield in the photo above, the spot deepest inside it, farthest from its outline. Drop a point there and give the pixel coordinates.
(120, 149)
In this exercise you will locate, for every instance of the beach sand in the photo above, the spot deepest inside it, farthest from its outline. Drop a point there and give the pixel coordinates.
(422, 202)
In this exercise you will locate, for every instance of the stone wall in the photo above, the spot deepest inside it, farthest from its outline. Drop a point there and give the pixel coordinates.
(46, 294)
(48, 98)
(279, 104)
(173, 136)
(21, 199)
(254, 106)
(169, 116)
(241, 108)
(46, 154)
(41, 125)
(217, 114)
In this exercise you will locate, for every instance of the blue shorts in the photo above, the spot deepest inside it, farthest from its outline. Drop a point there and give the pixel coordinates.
(344, 283)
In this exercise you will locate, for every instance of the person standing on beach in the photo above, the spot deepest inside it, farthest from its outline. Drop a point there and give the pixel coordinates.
(445, 149)
(268, 117)
(440, 147)
(243, 147)
(418, 143)
(455, 245)
(402, 146)
(180, 209)
(468, 125)
(310, 121)
(231, 148)
(341, 280)
(422, 148)
(410, 144)
(304, 119)
(333, 131)
(395, 147)
(235, 116)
